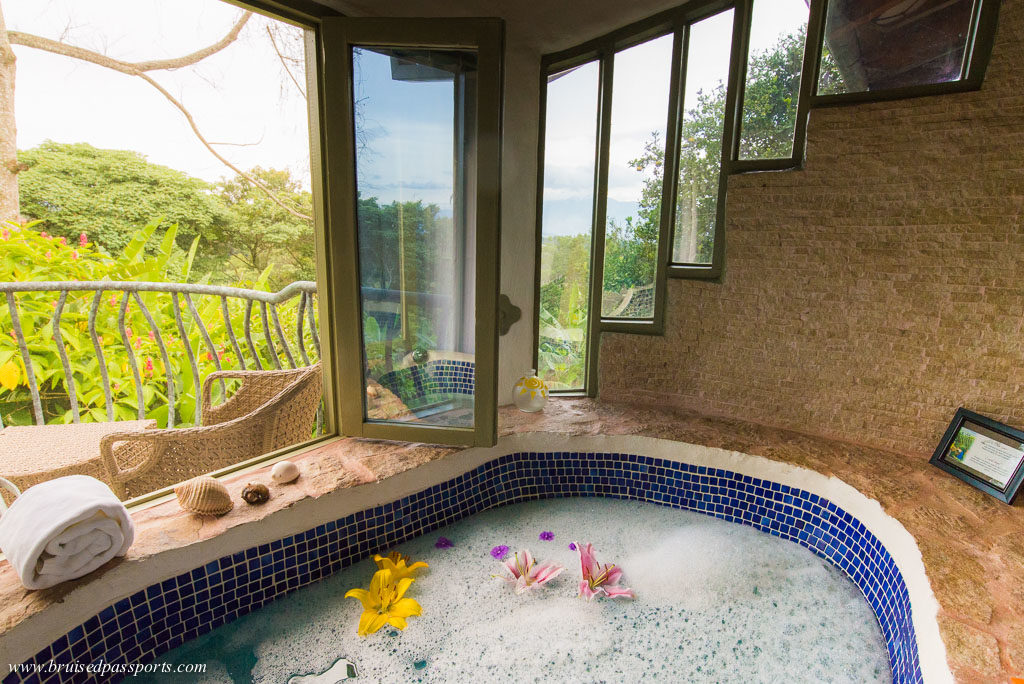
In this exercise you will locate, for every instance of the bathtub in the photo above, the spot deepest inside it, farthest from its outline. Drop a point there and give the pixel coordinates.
(210, 583)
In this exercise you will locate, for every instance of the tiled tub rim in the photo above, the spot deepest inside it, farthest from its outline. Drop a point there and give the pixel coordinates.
(238, 548)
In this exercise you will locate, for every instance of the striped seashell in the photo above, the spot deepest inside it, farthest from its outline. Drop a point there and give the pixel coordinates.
(205, 496)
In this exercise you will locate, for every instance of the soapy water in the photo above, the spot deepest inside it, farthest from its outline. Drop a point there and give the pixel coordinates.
(715, 601)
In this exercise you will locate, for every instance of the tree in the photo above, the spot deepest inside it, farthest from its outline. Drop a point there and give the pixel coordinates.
(260, 232)
(406, 246)
(8, 127)
(9, 164)
(769, 116)
(109, 194)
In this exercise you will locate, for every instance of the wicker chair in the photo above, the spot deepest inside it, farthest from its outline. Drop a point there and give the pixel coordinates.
(269, 411)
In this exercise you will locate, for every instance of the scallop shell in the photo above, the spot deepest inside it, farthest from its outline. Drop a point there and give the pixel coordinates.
(205, 496)
(284, 472)
(255, 493)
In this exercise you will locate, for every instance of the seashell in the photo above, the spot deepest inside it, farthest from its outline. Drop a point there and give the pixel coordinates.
(284, 472)
(205, 496)
(255, 493)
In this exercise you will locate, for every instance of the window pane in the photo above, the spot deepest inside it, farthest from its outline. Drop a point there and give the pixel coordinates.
(700, 145)
(635, 161)
(570, 143)
(415, 140)
(129, 191)
(777, 35)
(884, 45)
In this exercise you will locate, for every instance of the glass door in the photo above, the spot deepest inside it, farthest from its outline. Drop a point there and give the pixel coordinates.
(412, 114)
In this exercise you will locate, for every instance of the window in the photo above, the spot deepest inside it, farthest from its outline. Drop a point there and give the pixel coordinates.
(570, 129)
(897, 47)
(630, 119)
(636, 159)
(778, 35)
(419, 103)
(414, 233)
(701, 140)
(160, 245)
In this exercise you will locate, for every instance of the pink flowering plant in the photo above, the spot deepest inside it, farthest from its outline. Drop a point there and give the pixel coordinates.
(599, 580)
(526, 574)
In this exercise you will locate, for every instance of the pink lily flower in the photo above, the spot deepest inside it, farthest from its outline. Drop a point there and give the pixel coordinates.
(527, 574)
(599, 579)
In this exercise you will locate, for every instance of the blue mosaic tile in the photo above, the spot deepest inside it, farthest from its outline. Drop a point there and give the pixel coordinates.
(430, 383)
(165, 615)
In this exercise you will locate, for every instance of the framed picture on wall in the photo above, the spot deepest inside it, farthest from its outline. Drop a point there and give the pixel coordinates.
(984, 453)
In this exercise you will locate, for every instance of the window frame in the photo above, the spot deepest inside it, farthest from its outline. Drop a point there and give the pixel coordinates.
(306, 15)
(977, 53)
(811, 62)
(339, 35)
(674, 22)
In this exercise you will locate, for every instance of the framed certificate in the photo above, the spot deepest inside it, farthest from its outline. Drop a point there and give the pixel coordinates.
(984, 453)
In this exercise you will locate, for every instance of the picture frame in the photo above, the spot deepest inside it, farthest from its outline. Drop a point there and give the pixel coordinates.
(984, 453)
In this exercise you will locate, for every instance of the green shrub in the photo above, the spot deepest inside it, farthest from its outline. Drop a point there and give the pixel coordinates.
(27, 255)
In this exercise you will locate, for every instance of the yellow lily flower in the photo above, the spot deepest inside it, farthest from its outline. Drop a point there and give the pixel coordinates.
(398, 565)
(383, 603)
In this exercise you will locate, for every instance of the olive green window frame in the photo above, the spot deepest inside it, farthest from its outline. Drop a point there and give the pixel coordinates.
(976, 59)
(486, 36)
(810, 65)
(677, 22)
(305, 15)
(977, 53)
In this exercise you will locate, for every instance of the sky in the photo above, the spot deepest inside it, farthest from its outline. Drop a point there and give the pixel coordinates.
(242, 96)
(408, 152)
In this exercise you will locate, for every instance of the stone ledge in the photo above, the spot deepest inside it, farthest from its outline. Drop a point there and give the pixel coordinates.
(972, 545)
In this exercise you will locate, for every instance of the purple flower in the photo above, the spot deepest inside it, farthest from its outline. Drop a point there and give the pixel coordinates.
(572, 546)
(547, 536)
(500, 551)
(443, 543)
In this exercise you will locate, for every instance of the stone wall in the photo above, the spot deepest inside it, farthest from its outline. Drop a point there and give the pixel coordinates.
(873, 292)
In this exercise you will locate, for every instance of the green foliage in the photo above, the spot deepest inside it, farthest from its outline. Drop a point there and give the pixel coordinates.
(108, 194)
(562, 353)
(259, 232)
(769, 116)
(29, 255)
(770, 100)
(830, 79)
(565, 278)
(75, 188)
(630, 254)
(405, 246)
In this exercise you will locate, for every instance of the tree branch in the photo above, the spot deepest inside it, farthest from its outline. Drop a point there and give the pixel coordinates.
(139, 70)
(284, 63)
(202, 139)
(130, 68)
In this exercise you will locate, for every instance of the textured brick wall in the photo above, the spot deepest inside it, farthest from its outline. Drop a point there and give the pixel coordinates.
(870, 294)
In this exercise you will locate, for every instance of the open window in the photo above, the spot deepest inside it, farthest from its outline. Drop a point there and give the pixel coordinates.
(413, 145)
(876, 50)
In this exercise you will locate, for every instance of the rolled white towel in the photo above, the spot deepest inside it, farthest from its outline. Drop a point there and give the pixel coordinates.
(63, 529)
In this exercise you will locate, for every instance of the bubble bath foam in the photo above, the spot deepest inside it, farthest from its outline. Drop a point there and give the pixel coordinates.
(715, 601)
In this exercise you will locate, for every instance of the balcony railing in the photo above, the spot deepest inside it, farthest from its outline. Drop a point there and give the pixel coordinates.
(127, 307)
